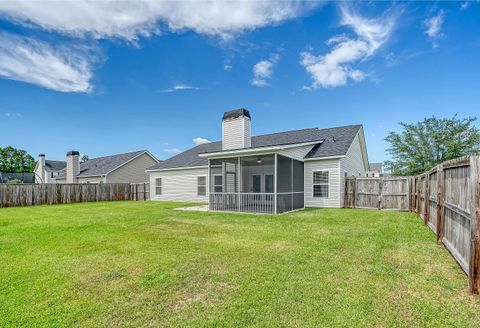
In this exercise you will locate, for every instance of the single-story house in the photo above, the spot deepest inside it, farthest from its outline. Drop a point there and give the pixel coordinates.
(271, 173)
(120, 168)
(47, 171)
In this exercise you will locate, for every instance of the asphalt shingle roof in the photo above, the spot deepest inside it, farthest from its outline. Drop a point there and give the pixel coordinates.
(54, 165)
(332, 142)
(103, 165)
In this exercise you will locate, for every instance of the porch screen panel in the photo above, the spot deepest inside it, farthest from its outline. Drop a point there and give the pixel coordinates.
(224, 184)
(290, 192)
(298, 185)
(285, 184)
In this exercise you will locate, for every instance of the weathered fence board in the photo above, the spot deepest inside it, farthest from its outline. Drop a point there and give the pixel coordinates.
(52, 193)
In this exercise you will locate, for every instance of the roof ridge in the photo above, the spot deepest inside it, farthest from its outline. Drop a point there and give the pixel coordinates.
(130, 152)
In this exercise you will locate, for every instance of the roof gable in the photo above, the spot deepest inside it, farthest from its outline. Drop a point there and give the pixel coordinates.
(106, 164)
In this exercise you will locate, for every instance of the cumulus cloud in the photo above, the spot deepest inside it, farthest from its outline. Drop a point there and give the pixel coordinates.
(336, 67)
(179, 87)
(434, 27)
(200, 141)
(131, 19)
(60, 68)
(263, 71)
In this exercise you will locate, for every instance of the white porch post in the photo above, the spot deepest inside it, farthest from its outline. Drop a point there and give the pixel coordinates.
(208, 185)
(239, 185)
(275, 185)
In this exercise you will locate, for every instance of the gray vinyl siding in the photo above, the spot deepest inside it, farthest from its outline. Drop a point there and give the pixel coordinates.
(297, 153)
(353, 163)
(96, 179)
(133, 171)
(179, 185)
(333, 167)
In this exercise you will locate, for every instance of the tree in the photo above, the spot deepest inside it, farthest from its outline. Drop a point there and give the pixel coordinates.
(14, 160)
(421, 146)
(84, 158)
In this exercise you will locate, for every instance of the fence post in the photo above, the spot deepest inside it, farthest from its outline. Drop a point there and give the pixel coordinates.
(417, 183)
(354, 193)
(144, 191)
(474, 263)
(345, 193)
(380, 193)
(426, 198)
(440, 196)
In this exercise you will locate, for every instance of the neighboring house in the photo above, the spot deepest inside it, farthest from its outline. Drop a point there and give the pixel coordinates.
(375, 170)
(120, 168)
(270, 173)
(47, 171)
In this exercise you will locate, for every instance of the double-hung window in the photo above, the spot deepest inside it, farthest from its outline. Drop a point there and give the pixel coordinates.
(320, 184)
(158, 186)
(218, 183)
(201, 186)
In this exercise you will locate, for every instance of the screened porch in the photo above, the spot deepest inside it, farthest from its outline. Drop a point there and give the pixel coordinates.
(256, 184)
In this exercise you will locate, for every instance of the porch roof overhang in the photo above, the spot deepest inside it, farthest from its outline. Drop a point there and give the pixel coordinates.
(255, 151)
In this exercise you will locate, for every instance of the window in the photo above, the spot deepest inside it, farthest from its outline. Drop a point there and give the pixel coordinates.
(269, 183)
(158, 186)
(201, 186)
(320, 184)
(218, 183)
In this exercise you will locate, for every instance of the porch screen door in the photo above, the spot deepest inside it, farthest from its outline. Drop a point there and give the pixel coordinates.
(256, 183)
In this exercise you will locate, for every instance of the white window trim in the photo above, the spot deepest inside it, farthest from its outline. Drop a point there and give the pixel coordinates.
(205, 185)
(157, 186)
(215, 185)
(314, 184)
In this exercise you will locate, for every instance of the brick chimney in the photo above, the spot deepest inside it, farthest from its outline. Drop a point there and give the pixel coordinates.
(236, 129)
(41, 168)
(73, 166)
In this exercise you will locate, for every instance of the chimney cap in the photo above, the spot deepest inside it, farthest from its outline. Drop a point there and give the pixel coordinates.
(41, 155)
(73, 153)
(236, 113)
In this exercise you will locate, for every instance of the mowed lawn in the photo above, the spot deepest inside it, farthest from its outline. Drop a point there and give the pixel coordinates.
(146, 264)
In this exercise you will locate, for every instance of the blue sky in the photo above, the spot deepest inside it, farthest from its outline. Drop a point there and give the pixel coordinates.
(158, 75)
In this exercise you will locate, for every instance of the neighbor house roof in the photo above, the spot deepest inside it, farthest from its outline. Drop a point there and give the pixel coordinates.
(375, 167)
(331, 142)
(54, 165)
(103, 165)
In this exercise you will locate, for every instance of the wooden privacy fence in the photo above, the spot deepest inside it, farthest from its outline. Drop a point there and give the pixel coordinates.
(385, 193)
(447, 199)
(52, 193)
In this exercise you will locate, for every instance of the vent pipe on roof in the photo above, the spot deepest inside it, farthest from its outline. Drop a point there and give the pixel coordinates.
(236, 129)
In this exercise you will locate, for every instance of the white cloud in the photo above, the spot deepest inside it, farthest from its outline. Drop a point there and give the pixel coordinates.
(13, 115)
(200, 141)
(179, 87)
(131, 19)
(172, 150)
(466, 4)
(336, 67)
(434, 27)
(60, 68)
(263, 71)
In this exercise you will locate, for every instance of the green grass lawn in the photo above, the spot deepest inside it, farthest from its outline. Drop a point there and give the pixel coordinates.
(145, 264)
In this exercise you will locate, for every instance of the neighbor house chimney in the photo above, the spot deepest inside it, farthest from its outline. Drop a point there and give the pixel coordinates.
(73, 166)
(41, 168)
(236, 129)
